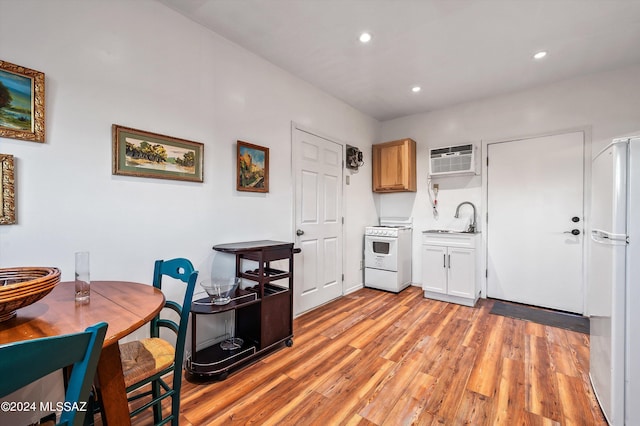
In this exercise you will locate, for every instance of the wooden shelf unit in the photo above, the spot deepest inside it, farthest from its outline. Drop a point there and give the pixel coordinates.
(263, 312)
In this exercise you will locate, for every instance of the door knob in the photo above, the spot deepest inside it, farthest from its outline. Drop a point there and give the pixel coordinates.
(299, 232)
(573, 232)
(575, 219)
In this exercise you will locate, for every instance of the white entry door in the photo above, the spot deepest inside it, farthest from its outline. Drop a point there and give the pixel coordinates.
(535, 202)
(318, 215)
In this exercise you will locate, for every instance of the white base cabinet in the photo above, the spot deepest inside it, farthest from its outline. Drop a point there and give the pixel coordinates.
(449, 265)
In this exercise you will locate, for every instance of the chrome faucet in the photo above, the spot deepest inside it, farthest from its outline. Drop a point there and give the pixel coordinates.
(472, 227)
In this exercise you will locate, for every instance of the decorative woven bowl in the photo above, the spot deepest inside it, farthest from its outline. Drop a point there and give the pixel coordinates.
(20, 287)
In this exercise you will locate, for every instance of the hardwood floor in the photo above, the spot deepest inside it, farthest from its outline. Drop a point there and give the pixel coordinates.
(375, 358)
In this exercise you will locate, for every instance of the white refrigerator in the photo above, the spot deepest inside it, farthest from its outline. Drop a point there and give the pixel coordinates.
(614, 281)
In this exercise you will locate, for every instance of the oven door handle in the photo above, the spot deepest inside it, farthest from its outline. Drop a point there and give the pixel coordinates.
(380, 238)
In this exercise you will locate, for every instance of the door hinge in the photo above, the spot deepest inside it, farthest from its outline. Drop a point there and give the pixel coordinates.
(343, 220)
(487, 161)
(486, 273)
(342, 277)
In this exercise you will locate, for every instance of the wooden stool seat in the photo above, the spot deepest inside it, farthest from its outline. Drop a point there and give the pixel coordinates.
(145, 358)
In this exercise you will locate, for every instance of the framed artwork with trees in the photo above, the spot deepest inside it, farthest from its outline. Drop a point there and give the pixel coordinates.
(146, 154)
(21, 102)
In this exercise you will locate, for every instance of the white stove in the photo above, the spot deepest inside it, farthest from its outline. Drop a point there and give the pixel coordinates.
(387, 254)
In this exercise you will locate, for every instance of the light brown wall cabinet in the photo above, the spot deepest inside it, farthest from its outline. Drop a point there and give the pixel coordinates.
(394, 166)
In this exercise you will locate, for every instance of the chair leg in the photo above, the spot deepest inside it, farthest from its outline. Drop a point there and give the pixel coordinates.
(175, 398)
(93, 408)
(157, 407)
(175, 408)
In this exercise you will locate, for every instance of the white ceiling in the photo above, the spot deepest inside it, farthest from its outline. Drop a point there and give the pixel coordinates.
(456, 50)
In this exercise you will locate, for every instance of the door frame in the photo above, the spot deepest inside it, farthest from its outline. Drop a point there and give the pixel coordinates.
(295, 126)
(586, 200)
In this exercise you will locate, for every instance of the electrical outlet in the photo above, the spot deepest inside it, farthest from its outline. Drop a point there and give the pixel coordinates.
(361, 264)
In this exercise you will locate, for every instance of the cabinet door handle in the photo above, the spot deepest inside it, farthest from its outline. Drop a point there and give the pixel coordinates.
(449, 261)
(444, 260)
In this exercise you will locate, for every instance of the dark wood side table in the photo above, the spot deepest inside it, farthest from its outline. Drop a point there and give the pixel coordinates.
(263, 312)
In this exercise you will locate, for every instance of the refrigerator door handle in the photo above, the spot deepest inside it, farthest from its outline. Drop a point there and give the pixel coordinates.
(597, 234)
(600, 236)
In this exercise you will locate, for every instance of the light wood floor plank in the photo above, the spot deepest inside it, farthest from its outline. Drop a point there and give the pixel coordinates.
(543, 398)
(508, 403)
(474, 409)
(485, 374)
(410, 407)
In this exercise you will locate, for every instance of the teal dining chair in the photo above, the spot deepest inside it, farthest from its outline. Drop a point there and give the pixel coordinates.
(145, 362)
(24, 362)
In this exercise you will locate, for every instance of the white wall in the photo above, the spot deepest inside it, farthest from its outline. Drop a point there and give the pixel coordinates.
(141, 65)
(605, 104)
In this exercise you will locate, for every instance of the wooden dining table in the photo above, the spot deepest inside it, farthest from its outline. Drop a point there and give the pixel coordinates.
(125, 306)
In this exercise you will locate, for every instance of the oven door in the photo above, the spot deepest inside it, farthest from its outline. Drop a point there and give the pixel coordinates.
(381, 252)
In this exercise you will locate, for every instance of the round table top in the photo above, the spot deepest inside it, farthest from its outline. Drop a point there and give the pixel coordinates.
(125, 306)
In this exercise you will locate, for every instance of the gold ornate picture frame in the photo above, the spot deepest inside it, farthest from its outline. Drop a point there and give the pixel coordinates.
(21, 103)
(7, 190)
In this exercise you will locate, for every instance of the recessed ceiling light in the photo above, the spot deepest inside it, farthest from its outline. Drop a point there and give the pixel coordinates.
(416, 89)
(540, 55)
(365, 37)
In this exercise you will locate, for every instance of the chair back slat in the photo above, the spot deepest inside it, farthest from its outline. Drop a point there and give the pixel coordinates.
(179, 269)
(167, 323)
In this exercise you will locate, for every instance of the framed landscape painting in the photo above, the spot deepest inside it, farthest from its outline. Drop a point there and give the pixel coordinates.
(7, 190)
(253, 168)
(146, 154)
(21, 103)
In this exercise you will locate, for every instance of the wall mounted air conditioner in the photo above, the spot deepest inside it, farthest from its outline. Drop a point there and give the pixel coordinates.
(452, 160)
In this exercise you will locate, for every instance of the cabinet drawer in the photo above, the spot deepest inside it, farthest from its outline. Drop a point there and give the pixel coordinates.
(449, 240)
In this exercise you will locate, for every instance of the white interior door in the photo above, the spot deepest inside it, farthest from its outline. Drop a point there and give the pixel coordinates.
(318, 213)
(534, 192)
